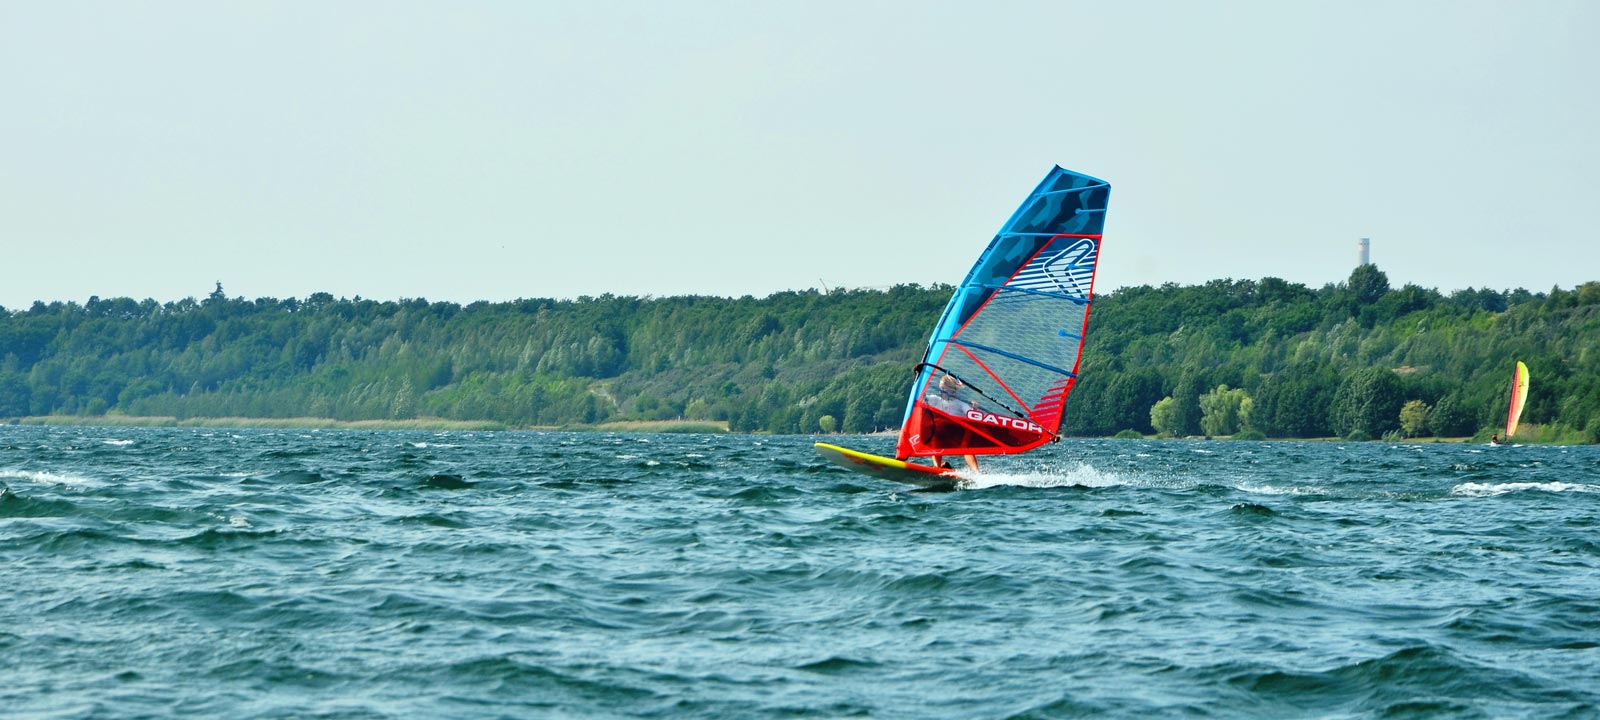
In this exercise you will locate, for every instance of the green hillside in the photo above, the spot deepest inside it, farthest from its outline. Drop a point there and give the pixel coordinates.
(1344, 359)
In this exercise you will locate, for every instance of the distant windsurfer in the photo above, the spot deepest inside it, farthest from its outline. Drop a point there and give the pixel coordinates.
(1494, 439)
(946, 399)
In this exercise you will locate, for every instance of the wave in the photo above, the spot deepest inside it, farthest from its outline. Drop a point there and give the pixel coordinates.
(1417, 681)
(1277, 490)
(45, 477)
(448, 481)
(1493, 489)
(13, 505)
(837, 665)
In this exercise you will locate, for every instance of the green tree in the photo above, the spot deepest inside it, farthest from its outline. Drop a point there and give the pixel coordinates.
(405, 401)
(697, 409)
(1450, 418)
(1186, 396)
(1368, 284)
(1164, 417)
(1368, 403)
(1224, 411)
(828, 424)
(1295, 401)
(1127, 400)
(1413, 418)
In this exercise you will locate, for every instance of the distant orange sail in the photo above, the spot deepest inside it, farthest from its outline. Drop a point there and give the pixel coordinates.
(1519, 397)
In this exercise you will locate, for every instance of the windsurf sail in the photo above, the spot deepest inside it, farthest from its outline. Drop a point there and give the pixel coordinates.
(1004, 355)
(1519, 396)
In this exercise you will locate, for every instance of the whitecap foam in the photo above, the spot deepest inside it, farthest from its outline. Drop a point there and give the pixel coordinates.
(118, 443)
(1492, 489)
(48, 478)
(1083, 475)
(1273, 490)
(421, 445)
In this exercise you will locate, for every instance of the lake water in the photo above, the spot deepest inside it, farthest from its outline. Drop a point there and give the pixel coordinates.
(354, 574)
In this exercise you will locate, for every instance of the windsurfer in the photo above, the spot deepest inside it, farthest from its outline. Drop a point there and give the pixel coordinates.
(1494, 439)
(946, 398)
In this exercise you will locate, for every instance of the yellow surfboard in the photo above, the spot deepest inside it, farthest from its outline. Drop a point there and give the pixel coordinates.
(922, 476)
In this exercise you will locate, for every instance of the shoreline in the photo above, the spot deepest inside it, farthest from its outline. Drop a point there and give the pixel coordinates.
(314, 423)
(444, 425)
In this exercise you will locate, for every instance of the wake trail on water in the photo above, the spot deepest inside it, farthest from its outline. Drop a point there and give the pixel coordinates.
(1084, 475)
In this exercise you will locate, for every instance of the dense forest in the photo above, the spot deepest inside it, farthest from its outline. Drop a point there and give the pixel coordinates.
(1246, 358)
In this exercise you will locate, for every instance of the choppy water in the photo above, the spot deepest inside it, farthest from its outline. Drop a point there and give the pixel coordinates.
(243, 574)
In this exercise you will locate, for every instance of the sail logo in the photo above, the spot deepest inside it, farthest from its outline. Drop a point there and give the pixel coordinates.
(1071, 268)
(1004, 421)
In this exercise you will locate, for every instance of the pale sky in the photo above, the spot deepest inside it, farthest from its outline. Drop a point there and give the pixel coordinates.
(494, 150)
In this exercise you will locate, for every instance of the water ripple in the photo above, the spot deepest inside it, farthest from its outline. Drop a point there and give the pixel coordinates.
(356, 574)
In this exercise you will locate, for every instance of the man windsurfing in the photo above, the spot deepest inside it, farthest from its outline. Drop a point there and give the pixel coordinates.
(947, 400)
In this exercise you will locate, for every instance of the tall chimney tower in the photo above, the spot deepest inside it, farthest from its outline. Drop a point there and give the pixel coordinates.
(1366, 251)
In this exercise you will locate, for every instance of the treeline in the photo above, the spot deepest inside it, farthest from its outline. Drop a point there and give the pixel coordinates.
(1356, 359)
(1264, 357)
(775, 363)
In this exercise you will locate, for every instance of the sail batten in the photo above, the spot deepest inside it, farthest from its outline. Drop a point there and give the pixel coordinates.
(1014, 328)
(1069, 298)
(1013, 356)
